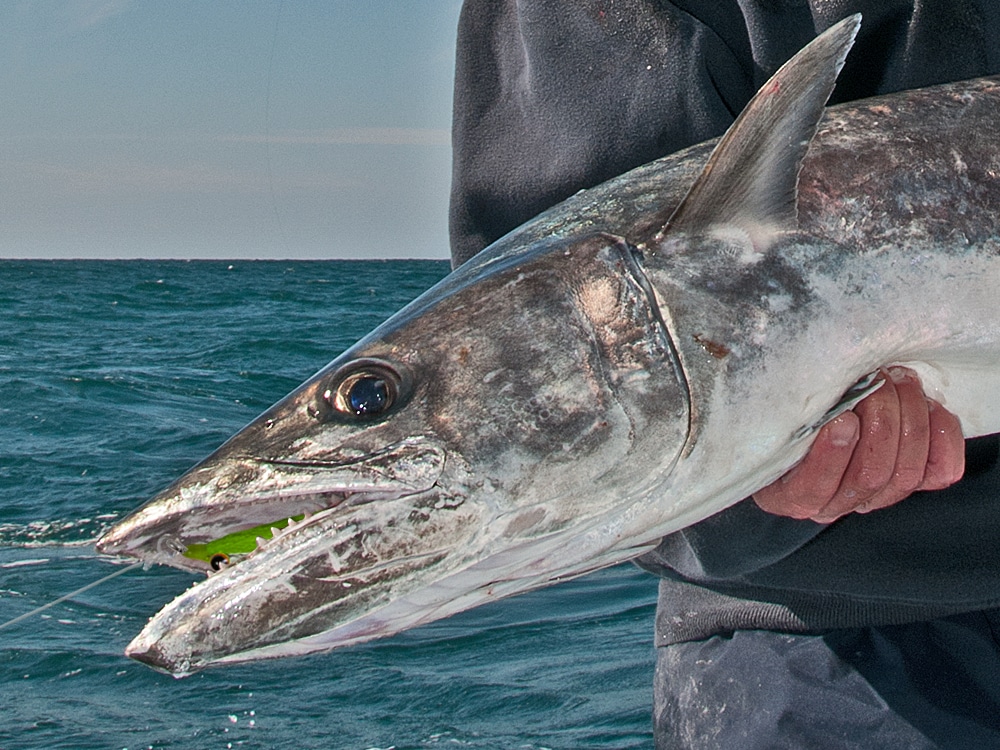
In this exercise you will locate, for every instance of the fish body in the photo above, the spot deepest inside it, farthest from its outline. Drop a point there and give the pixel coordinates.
(626, 364)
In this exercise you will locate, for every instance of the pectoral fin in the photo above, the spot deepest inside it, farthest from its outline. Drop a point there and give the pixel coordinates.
(854, 395)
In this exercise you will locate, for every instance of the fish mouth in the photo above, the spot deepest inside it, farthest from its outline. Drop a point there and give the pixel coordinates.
(319, 583)
(352, 536)
(224, 510)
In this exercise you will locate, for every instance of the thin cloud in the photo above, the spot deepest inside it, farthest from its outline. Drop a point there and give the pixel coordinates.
(76, 15)
(353, 137)
(330, 137)
(114, 178)
(122, 178)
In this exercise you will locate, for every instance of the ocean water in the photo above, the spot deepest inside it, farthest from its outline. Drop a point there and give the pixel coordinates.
(115, 377)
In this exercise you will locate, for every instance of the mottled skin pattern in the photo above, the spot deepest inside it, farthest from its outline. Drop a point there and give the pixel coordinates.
(917, 166)
(612, 371)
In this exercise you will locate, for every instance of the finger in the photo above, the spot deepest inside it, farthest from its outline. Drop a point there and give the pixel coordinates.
(808, 487)
(914, 439)
(874, 459)
(946, 452)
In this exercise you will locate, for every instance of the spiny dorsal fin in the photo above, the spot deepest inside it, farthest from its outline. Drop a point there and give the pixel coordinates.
(750, 181)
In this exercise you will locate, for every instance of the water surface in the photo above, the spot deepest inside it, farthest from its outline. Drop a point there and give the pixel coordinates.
(115, 377)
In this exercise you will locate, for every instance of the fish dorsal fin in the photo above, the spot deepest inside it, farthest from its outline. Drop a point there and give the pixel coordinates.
(750, 181)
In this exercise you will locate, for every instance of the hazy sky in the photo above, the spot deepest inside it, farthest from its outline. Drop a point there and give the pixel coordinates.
(215, 128)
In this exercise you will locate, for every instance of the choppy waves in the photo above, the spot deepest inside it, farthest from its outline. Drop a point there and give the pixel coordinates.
(76, 532)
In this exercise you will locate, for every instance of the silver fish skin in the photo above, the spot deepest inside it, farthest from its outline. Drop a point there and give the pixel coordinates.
(628, 363)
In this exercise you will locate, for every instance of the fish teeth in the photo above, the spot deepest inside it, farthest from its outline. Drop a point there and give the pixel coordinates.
(278, 532)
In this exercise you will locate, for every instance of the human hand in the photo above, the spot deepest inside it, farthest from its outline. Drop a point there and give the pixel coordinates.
(894, 443)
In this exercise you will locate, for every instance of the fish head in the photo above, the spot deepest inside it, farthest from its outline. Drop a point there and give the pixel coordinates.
(481, 442)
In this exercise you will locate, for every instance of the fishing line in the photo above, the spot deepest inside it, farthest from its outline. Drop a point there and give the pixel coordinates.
(61, 599)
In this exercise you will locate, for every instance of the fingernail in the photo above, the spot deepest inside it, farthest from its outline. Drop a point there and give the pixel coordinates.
(843, 432)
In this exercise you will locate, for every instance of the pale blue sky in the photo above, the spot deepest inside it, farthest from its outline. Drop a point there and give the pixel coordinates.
(226, 129)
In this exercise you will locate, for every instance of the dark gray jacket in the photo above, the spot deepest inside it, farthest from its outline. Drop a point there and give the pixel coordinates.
(552, 96)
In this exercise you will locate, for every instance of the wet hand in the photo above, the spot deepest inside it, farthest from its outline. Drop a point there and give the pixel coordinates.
(894, 443)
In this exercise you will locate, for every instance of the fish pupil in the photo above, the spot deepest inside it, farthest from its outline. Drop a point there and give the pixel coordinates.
(368, 395)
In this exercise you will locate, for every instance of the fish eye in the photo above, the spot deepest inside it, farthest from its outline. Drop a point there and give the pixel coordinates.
(368, 394)
(219, 561)
(369, 389)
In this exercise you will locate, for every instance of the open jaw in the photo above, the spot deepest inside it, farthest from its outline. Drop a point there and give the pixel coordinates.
(329, 570)
(300, 547)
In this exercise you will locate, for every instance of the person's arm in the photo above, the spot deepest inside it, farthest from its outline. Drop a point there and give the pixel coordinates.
(894, 443)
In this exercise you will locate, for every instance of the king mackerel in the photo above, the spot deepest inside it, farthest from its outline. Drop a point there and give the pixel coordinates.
(626, 364)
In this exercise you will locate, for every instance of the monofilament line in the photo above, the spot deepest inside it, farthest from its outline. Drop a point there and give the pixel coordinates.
(61, 599)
